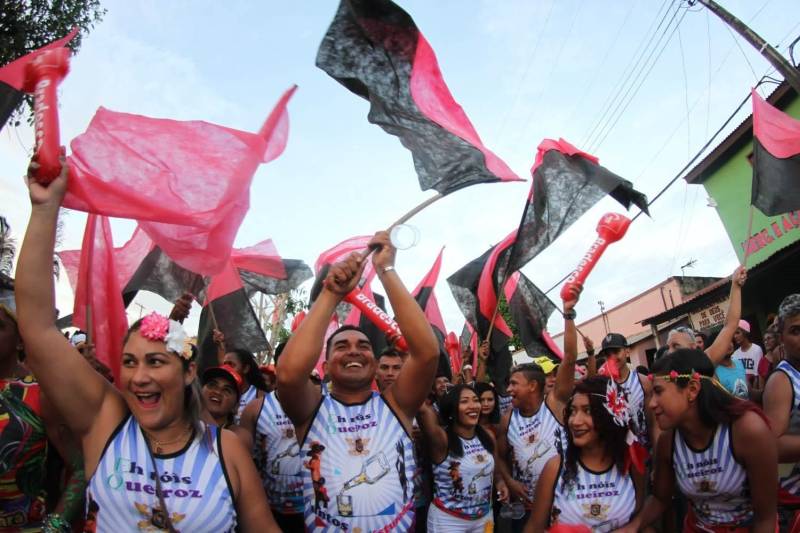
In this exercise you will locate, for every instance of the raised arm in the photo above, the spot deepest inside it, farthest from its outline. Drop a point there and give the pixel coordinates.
(591, 360)
(435, 436)
(716, 352)
(483, 357)
(778, 407)
(565, 376)
(416, 378)
(84, 398)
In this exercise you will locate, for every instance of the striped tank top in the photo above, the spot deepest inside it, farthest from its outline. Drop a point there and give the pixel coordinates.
(463, 485)
(277, 457)
(635, 391)
(604, 501)
(533, 441)
(713, 481)
(247, 396)
(358, 468)
(121, 495)
(791, 481)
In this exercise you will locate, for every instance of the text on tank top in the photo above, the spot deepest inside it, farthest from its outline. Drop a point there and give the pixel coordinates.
(533, 440)
(602, 500)
(713, 480)
(463, 485)
(276, 454)
(23, 441)
(247, 396)
(633, 386)
(358, 468)
(121, 495)
(791, 481)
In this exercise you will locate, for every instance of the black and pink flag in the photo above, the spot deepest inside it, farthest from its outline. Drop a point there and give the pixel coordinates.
(338, 253)
(187, 183)
(373, 48)
(530, 309)
(12, 77)
(426, 298)
(566, 183)
(469, 340)
(776, 159)
(476, 296)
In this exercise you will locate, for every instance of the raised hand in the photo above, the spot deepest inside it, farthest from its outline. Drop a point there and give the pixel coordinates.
(384, 251)
(49, 195)
(343, 277)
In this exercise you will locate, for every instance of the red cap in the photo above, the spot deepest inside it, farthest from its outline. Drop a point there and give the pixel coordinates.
(226, 371)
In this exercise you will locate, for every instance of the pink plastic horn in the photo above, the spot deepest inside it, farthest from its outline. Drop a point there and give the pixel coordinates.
(611, 228)
(378, 317)
(42, 77)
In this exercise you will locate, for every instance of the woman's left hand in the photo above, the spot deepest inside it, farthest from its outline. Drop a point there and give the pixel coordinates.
(502, 491)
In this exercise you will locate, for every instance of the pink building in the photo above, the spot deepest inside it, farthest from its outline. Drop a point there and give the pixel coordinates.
(626, 317)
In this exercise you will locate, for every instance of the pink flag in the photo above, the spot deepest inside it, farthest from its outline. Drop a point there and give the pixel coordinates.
(98, 300)
(187, 183)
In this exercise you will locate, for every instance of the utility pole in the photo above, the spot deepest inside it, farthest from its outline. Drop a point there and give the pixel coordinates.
(789, 72)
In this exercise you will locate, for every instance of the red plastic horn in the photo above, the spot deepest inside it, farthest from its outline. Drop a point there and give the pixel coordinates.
(42, 77)
(378, 317)
(611, 228)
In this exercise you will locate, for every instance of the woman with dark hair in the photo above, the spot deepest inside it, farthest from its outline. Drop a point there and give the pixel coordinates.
(462, 452)
(255, 386)
(490, 406)
(592, 485)
(149, 460)
(718, 449)
(221, 388)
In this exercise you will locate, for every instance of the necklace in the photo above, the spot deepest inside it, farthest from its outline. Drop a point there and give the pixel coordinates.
(159, 445)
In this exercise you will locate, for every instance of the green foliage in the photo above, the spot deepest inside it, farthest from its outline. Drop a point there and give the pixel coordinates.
(31, 24)
(505, 312)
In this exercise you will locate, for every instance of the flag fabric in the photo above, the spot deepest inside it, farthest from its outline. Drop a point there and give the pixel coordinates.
(258, 268)
(470, 295)
(453, 347)
(566, 183)
(375, 50)
(98, 304)
(186, 183)
(339, 253)
(469, 339)
(530, 309)
(426, 298)
(12, 77)
(776, 159)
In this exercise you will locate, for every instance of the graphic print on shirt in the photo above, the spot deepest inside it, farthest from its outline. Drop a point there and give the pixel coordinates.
(122, 491)
(533, 441)
(276, 454)
(713, 481)
(635, 392)
(602, 500)
(358, 468)
(463, 485)
(247, 396)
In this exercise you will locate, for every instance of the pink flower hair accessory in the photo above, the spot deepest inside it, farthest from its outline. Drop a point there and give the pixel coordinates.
(154, 327)
(157, 327)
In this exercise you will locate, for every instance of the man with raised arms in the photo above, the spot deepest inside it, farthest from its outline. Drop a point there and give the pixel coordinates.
(355, 443)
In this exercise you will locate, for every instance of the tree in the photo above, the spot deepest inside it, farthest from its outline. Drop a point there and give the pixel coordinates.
(8, 248)
(505, 312)
(31, 24)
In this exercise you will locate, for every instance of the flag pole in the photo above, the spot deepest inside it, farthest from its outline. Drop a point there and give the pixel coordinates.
(405, 218)
(748, 237)
(214, 320)
(89, 328)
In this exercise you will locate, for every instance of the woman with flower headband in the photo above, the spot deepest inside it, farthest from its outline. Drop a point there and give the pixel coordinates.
(718, 449)
(462, 453)
(151, 463)
(593, 486)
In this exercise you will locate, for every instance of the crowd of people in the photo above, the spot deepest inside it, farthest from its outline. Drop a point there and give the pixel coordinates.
(707, 439)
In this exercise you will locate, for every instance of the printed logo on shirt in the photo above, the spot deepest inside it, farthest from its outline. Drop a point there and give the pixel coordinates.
(127, 468)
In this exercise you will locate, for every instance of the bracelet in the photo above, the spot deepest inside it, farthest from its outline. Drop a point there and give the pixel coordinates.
(570, 315)
(387, 269)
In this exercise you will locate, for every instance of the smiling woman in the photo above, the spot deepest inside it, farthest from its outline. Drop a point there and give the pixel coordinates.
(149, 460)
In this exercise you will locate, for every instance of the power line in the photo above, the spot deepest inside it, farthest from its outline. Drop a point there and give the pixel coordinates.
(680, 172)
(631, 66)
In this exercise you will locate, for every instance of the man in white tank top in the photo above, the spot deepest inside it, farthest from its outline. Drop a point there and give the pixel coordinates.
(356, 444)
(533, 431)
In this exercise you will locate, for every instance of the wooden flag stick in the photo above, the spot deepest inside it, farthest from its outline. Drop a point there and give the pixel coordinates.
(748, 237)
(214, 321)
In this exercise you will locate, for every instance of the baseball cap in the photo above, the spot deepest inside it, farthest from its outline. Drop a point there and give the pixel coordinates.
(547, 364)
(613, 341)
(744, 325)
(226, 372)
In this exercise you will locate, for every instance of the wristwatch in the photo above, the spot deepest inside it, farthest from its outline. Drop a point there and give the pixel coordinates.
(570, 315)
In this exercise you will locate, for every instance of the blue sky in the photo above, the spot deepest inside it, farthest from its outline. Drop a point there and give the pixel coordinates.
(523, 70)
